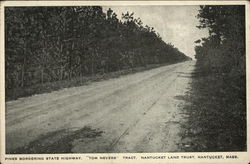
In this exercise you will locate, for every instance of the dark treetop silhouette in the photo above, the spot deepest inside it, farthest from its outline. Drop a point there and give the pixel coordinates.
(46, 44)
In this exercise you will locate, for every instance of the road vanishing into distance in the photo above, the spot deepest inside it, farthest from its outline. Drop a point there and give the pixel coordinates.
(140, 112)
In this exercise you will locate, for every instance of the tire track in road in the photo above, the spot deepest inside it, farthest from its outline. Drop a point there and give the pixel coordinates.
(112, 145)
(116, 123)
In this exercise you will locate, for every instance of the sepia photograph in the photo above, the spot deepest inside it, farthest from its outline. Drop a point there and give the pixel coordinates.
(125, 79)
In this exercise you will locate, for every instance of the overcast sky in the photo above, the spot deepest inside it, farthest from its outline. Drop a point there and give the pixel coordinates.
(175, 24)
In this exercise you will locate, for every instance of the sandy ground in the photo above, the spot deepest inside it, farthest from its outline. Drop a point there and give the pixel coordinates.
(141, 112)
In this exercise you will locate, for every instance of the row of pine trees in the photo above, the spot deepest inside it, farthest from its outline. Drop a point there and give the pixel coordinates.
(224, 51)
(46, 44)
(221, 64)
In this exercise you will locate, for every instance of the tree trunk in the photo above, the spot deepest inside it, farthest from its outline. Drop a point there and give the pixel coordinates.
(42, 75)
(23, 73)
(24, 61)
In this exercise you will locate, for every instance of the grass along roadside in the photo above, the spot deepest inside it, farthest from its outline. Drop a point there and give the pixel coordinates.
(217, 113)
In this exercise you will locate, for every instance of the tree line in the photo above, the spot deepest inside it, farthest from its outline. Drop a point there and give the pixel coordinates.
(46, 44)
(223, 51)
(221, 77)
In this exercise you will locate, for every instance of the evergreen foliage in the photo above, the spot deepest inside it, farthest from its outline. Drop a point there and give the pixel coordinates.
(47, 44)
(218, 92)
(224, 50)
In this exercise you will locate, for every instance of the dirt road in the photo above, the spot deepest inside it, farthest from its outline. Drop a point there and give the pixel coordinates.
(141, 112)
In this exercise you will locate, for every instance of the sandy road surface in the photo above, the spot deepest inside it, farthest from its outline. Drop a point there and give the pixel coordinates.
(133, 113)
